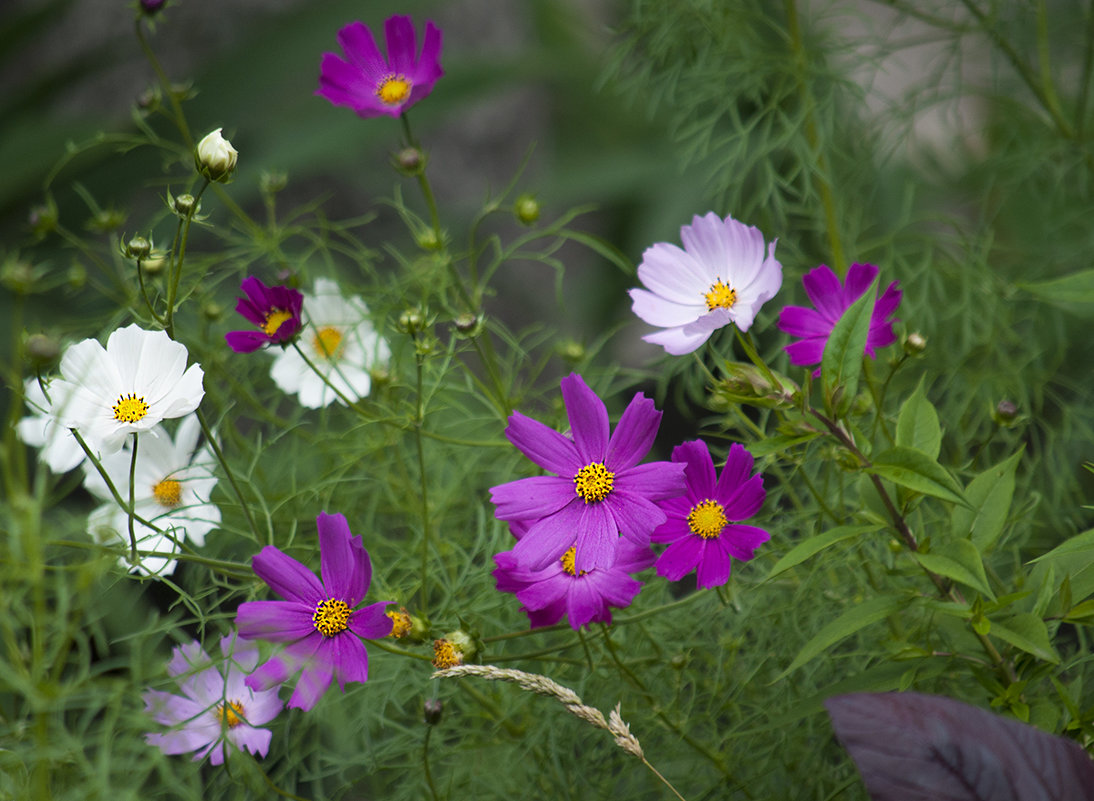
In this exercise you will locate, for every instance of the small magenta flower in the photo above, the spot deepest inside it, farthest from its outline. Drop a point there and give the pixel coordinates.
(832, 299)
(275, 310)
(721, 276)
(216, 705)
(317, 619)
(703, 526)
(582, 596)
(599, 491)
(374, 86)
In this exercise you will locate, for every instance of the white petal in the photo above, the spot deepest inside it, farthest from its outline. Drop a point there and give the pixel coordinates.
(673, 274)
(657, 311)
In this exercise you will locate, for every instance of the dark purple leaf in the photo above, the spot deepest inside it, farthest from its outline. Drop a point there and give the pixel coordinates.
(913, 747)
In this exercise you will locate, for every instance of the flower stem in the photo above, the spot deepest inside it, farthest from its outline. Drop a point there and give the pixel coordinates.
(326, 380)
(425, 764)
(181, 239)
(165, 85)
(231, 477)
(132, 508)
(419, 419)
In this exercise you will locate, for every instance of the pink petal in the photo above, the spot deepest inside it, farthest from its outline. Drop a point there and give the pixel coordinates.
(634, 434)
(588, 418)
(543, 445)
(287, 577)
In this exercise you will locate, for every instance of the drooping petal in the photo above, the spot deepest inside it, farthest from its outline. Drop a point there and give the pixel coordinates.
(680, 558)
(347, 655)
(549, 537)
(635, 517)
(742, 541)
(597, 535)
(714, 565)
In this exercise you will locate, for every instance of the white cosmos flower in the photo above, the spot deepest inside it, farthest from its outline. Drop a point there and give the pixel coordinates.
(41, 429)
(139, 379)
(171, 488)
(339, 340)
(720, 277)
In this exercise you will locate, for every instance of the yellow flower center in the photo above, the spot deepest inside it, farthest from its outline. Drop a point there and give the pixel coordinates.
(400, 622)
(707, 519)
(331, 617)
(568, 559)
(328, 342)
(130, 408)
(230, 713)
(168, 493)
(593, 482)
(720, 296)
(445, 655)
(274, 320)
(394, 89)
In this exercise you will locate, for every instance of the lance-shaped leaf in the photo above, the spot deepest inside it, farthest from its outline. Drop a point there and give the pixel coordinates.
(857, 617)
(917, 471)
(841, 364)
(917, 427)
(1075, 288)
(913, 747)
(989, 496)
(807, 548)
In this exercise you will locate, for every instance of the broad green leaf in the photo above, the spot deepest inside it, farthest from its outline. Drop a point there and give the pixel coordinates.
(778, 444)
(916, 471)
(1075, 288)
(841, 364)
(1073, 561)
(958, 560)
(1028, 632)
(854, 619)
(1081, 613)
(917, 427)
(989, 496)
(807, 548)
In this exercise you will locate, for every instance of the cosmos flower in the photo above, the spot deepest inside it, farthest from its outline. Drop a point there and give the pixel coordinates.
(216, 706)
(372, 85)
(317, 619)
(582, 596)
(275, 311)
(703, 527)
(832, 299)
(41, 429)
(599, 491)
(342, 344)
(138, 380)
(721, 276)
(172, 482)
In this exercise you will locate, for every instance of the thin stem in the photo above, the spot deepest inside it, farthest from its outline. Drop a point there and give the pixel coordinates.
(419, 418)
(231, 477)
(144, 294)
(175, 277)
(425, 763)
(165, 85)
(668, 784)
(326, 380)
(91, 457)
(131, 509)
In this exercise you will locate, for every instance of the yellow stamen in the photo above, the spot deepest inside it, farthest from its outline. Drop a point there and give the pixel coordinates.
(445, 655)
(168, 492)
(593, 482)
(707, 519)
(328, 342)
(331, 617)
(394, 89)
(130, 408)
(568, 560)
(230, 713)
(274, 320)
(400, 622)
(720, 296)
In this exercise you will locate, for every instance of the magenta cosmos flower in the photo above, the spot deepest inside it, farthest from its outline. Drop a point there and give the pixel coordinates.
(582, 596)
(275, 311)
(832, 299)
(721, 276)
(216, 705)
(317, 619)
(599, 491)
(703, 528)
(374, 86)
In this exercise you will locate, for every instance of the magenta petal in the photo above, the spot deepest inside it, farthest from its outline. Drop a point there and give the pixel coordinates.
(401, 43)
(588, 419)
(699, 468)
(346, 656)
(549, 538)
(858, 280)
(825, 291)
(371, 622)
(597, 536)
(532, 498)
(584, 604)
(736, 471)
(714, 565)
(742, 541)
(680, 558)
(671, 530)
(634, 434)
(799, 321)
(746, 500)
(273, 672)
(806, 352)
(655, 481)
(340, 562)
(313, 682)
(287, 577)
(276, 621)
(428, 69)
(543, 445)
(360, 48)
(246, 341)
(635, 517)
(546, 591)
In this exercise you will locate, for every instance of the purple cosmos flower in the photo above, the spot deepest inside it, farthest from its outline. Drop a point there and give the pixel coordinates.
(274, 309)
(317, 619)
(599, 491)
(214, 706)
(703, 526)
(583, 596)
(720, 277)
(832, 299)
(374, 86)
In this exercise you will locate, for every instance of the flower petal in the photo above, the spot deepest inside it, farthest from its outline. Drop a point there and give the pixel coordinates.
(634, 434)
(287, 577)
(543, 445)
(532, 498)
(346, 570)
(276, 621)
(699, 468)
(588, 419)
(371, 622)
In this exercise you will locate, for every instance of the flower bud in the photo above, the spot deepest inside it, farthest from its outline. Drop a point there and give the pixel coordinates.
(468, 325)
(76, 277)
(429, 240)
(42, 351)
(106, 220)
(137, 248)
(212, 311)
(149, 100)
(527, 209)
(271, 182)
(43, 219)
(571, 351)
(433, 710)
(215, 158)
(915, 343)
(185, 205)
(154, 263)
(411, 321)
(17, 275)
(1005, 413)
(409, 161)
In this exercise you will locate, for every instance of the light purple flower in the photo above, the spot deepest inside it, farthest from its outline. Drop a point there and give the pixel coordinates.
(720, 277)
(215, 706)
(832, 299)
(703, 526)
(582, 596)
(275, 311)
(317, 619)
(599, 491)
(374, 86)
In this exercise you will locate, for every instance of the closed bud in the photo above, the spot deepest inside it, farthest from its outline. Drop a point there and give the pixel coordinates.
(409, 161)
(571, 351)
(469, 325)
(154, 263)
(411, 321)
(429, 240)
(433, 709)
(137, 248)
(215, 158)
(43, 219)
(185, 205)
(1005, 413)
(272, 182)
(212, 311)
(380, 377)
(42, 351)
(149, 100)
(915, 343)
(76, 277)
(106, 220)
(17, 275)
(527, 209)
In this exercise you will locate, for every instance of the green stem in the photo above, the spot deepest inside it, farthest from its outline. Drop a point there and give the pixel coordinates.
(165, 85)
(131, 509)
(425, 764)
(231, 477)
(175, 277)
(419, 419)
(341, 395)
(144, 294)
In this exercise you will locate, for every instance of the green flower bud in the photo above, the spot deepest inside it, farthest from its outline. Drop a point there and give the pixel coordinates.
(154, 264)
(527, 209)
(42, 350)
(915, 343)
(409, 161)
(106, 220)
(433, 710)
(43, 219)
(212, 311)
(137, 248)
(469, 325)
(571, 351)
(215, 158)
(272, 182)
(411, 321)
(18, 275)
(1005, 413)
(185, 205)
(77, 276)
(429, 240)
